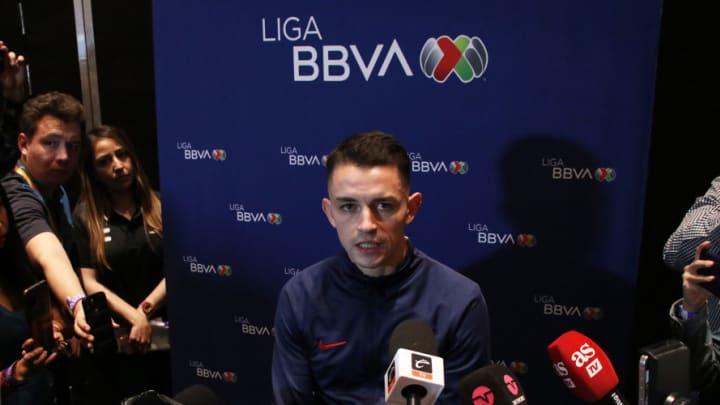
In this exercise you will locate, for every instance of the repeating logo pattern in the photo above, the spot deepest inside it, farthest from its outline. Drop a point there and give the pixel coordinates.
(606, 174)
(526, 240)
(593, 313)
(224, 270)
(518, 367)
(466, 56)
(219, 154)
(274, 218)
(458, 167)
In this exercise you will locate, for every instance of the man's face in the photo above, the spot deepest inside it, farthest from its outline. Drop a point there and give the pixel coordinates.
(52, 155)
(369, 207)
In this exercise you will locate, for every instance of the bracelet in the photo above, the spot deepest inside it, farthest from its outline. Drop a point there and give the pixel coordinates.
(684, 314)
(146, 307)
(7, 376)
(73, 301)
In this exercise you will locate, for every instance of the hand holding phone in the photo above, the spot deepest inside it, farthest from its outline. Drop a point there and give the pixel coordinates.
(97, 315)
(36, 302)
(714, 270)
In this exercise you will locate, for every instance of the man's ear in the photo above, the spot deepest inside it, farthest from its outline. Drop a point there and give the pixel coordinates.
(327, 209)
(414, 202)
(22, 142)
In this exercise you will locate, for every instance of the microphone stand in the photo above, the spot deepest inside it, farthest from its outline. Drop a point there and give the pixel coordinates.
(413, 394)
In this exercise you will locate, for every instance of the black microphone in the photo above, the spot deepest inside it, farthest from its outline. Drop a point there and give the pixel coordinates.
(416, 374)
(491, 385)
(197, 394)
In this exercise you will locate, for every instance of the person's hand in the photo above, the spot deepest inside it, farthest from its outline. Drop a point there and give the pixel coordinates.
(61, 345)
(694, 295)
(13, 75)
(33, 357)
(141, 331)
(81, 327)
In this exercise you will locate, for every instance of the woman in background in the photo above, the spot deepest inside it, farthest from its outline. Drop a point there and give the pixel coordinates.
(119, 230)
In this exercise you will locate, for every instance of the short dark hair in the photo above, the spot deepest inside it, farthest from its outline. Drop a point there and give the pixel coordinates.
(369, 149)
(59, 105)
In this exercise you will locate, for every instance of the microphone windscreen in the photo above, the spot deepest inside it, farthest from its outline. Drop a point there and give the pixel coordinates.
(583, 366)
(197, 394)
(413, 334)
(491, 385)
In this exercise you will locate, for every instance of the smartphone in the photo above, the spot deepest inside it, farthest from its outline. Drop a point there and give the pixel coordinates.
(36, 302)
(712, 286)
(97, 315)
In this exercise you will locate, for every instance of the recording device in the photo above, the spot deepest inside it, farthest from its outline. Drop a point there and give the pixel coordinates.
(663, 374)
(494, 384)
(714, 270)
(97, 315)
(36, 302)
(585, 369)
(416, 374)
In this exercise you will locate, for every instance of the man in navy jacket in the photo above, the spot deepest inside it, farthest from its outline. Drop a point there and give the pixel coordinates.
(334, 319)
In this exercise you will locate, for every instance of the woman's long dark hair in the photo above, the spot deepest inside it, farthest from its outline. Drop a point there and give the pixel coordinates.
(94, 201)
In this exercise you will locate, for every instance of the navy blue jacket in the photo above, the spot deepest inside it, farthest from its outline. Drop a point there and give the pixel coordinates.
(333, 327)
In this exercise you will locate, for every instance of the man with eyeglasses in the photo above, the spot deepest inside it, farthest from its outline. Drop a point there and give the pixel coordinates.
(50, 142)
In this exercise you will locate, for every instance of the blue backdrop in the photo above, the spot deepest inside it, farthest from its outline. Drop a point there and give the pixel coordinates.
(528, 125)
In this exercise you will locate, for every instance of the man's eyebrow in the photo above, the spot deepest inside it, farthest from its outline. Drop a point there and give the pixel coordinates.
(56, 135)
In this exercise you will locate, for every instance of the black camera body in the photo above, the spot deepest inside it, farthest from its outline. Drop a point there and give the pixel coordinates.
(664, 373)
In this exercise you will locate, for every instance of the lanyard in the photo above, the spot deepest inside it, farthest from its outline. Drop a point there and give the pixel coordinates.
(64, 200)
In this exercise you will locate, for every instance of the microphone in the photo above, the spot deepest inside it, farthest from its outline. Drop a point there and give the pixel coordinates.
(197, 394)
(491, 385)
(416, 374)
(585, 368)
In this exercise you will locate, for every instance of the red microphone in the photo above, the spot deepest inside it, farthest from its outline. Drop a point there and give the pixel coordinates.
(585, 368)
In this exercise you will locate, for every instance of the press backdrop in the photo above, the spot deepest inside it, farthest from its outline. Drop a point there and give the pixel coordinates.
(528, 128)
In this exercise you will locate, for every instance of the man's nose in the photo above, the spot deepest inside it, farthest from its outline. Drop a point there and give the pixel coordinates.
(368, 222)
(61, 153)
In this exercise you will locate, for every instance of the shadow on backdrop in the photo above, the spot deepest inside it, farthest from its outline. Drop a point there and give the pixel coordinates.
(535, 293)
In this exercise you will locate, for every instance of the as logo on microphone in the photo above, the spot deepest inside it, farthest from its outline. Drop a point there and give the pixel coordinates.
(421, 366)
(563, 373)
(585, 355)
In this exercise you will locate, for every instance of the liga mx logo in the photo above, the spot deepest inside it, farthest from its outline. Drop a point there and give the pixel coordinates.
(274, 218)
(458, 167)
(467, 57)
(605, 174)
(219, 154)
